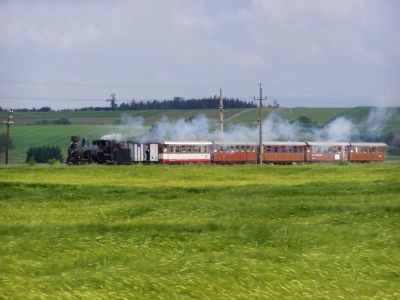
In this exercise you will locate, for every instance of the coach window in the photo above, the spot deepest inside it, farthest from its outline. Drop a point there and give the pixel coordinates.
(276, 149)
(253, 149)
(242, 148)
(237, 148)
(170, 149)
(268, 149)
(283, 149)
(373, 149)
(183, 149)
(290, 149)
(295, 149)
(247, 148)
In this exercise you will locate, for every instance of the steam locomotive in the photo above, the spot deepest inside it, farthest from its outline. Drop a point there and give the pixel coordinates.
(108, 152)
(127, 152)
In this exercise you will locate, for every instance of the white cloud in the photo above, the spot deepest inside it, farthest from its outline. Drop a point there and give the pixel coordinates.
(349, 47)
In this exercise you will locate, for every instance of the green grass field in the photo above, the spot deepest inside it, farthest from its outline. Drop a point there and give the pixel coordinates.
(197, 231)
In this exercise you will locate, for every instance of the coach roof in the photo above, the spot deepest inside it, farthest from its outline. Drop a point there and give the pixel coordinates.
(185, 143)
(369, 144)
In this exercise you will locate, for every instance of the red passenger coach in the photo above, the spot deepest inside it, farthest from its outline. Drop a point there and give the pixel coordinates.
(364, 152)
(184, 152)
(283, 152)
(327, 151)
(226, 153)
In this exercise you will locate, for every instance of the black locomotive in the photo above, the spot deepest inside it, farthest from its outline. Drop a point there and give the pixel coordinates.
(100, 151)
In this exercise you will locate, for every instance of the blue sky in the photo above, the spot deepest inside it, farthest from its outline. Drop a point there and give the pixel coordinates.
(68, 54)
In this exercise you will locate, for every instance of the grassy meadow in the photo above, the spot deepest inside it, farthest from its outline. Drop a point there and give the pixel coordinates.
(324, 231)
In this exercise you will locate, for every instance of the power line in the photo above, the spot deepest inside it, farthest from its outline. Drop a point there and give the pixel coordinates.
(150, 85)
(105, 85)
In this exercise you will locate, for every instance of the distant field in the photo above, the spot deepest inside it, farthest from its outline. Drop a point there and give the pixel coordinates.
(199, 231)
(319, 115)
(95, 124)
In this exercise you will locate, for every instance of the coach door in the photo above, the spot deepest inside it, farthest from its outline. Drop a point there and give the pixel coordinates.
(153, 152)
(138, 151)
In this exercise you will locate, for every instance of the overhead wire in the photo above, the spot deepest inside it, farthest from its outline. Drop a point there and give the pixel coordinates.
(143, 85)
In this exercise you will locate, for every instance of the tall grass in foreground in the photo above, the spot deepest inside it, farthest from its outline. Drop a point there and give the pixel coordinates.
(220, 232)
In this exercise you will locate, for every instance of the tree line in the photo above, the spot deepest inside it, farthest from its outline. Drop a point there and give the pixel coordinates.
(175, 103)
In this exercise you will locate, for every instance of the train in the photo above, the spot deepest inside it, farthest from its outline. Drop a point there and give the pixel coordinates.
(220, 152)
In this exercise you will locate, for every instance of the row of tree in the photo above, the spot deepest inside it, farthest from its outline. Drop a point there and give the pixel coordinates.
(175, 103)
(181, 103)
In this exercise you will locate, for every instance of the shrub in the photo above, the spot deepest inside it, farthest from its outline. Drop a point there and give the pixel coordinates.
(52, 161)
(62, 121)
(31, 161)
(44, 154)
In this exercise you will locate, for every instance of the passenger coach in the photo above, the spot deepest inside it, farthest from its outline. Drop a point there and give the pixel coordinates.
(363, 152)
(234, 152)
(327, 151)
(283, 152)
(184, 152)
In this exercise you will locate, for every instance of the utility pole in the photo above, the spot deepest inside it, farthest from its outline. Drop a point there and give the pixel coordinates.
(8, 122)
(112, 101)
(221, 111)
(260, 147)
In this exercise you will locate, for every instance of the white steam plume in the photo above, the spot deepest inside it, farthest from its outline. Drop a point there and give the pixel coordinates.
(376, 120)
(275, 128)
